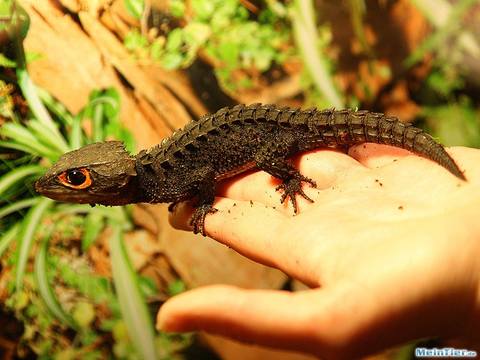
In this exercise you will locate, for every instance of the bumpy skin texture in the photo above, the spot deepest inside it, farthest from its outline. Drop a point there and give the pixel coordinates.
(217, 146)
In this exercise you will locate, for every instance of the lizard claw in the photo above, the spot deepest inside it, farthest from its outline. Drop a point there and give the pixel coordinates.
(292, 187)
(198, 218)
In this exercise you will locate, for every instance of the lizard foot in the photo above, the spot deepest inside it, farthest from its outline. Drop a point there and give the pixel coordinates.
(292, 187)
(198, 218)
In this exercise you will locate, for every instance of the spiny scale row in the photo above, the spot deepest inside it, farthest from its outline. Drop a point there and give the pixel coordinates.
(223, 119)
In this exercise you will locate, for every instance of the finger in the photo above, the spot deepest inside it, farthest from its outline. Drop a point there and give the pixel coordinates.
(262, 187)
(250, 316)
(322, 166)
(344, 321)
(245, 226)
(252, 229)
(377, 155)
(309, 321)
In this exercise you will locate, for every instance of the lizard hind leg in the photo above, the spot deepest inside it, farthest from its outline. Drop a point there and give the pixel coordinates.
(280, 168)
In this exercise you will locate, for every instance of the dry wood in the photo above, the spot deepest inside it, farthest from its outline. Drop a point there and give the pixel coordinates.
(172, 112)
(118, 8)
(273, 94)
(154, 117)
(141, 246)
(71, 66)
(115, 23)
(72, 5)
(178, 83)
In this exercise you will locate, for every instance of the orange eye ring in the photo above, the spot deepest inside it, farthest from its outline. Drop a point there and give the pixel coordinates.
(76, 178)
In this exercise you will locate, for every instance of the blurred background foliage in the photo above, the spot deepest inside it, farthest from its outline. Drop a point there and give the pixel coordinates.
(416, 59)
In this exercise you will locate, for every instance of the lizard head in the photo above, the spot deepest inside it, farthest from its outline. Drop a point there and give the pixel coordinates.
(100, 173)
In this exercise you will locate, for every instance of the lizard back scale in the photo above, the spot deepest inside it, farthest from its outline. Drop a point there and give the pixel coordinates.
(189, 163)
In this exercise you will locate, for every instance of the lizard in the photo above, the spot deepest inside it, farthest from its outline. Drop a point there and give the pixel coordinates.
(191, 162)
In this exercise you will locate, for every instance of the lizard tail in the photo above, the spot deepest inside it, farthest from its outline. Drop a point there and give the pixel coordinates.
(419, 142)
(346, 127)
(436, 152)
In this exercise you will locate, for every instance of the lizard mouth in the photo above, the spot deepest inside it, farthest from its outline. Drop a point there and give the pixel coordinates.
(58, 195)
(84, 196)
(69, 195)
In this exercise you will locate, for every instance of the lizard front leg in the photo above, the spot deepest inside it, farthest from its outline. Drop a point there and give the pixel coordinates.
(272, 159)
(204, 189)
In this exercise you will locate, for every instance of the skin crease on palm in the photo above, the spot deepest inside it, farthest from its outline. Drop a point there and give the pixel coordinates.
(390, 249)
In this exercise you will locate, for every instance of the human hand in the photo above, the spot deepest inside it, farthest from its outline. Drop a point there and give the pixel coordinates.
(390, 249)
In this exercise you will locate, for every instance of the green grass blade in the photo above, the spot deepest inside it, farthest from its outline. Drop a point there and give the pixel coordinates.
(67, 209)
(23, 136)
(46, 292)
(94, 223)
(358, 9)
(19, 147)
(17, 175)
(44, 135)
(106, 100)
(30, 93)
(116, 214)
(55, 107)
(135, 7)
(18, 205)
(17, 132)
(27, 236)
(97, 123)
(75, 137)
(7, 238)
(132, 304)
(306, 39)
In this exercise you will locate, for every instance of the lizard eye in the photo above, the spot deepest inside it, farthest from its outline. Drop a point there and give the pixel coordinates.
(76, 178)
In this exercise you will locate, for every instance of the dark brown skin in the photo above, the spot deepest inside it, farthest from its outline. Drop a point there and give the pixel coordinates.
(111, 171)
(190, 163)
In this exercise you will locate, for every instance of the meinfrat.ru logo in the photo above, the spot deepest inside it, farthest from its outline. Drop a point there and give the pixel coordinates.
(444, 352)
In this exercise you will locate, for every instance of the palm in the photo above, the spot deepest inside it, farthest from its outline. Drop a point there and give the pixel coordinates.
(385, 243)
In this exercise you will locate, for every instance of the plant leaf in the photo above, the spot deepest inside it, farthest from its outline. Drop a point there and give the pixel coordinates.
(46, 292)
(6, 62)
(306, 38)
(24, 136)
(30, 93)
(7, 238)
(27, 236)
(17, 175)
(135, 7)
(45, 135)
(18, 205)
(94, 223)
(132, 304)
(19, 147)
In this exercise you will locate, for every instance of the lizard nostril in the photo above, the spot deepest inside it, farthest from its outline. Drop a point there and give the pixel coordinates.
(38, 186)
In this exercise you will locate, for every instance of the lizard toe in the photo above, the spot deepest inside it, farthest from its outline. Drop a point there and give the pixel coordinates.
(198, 218)
(293, 187)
